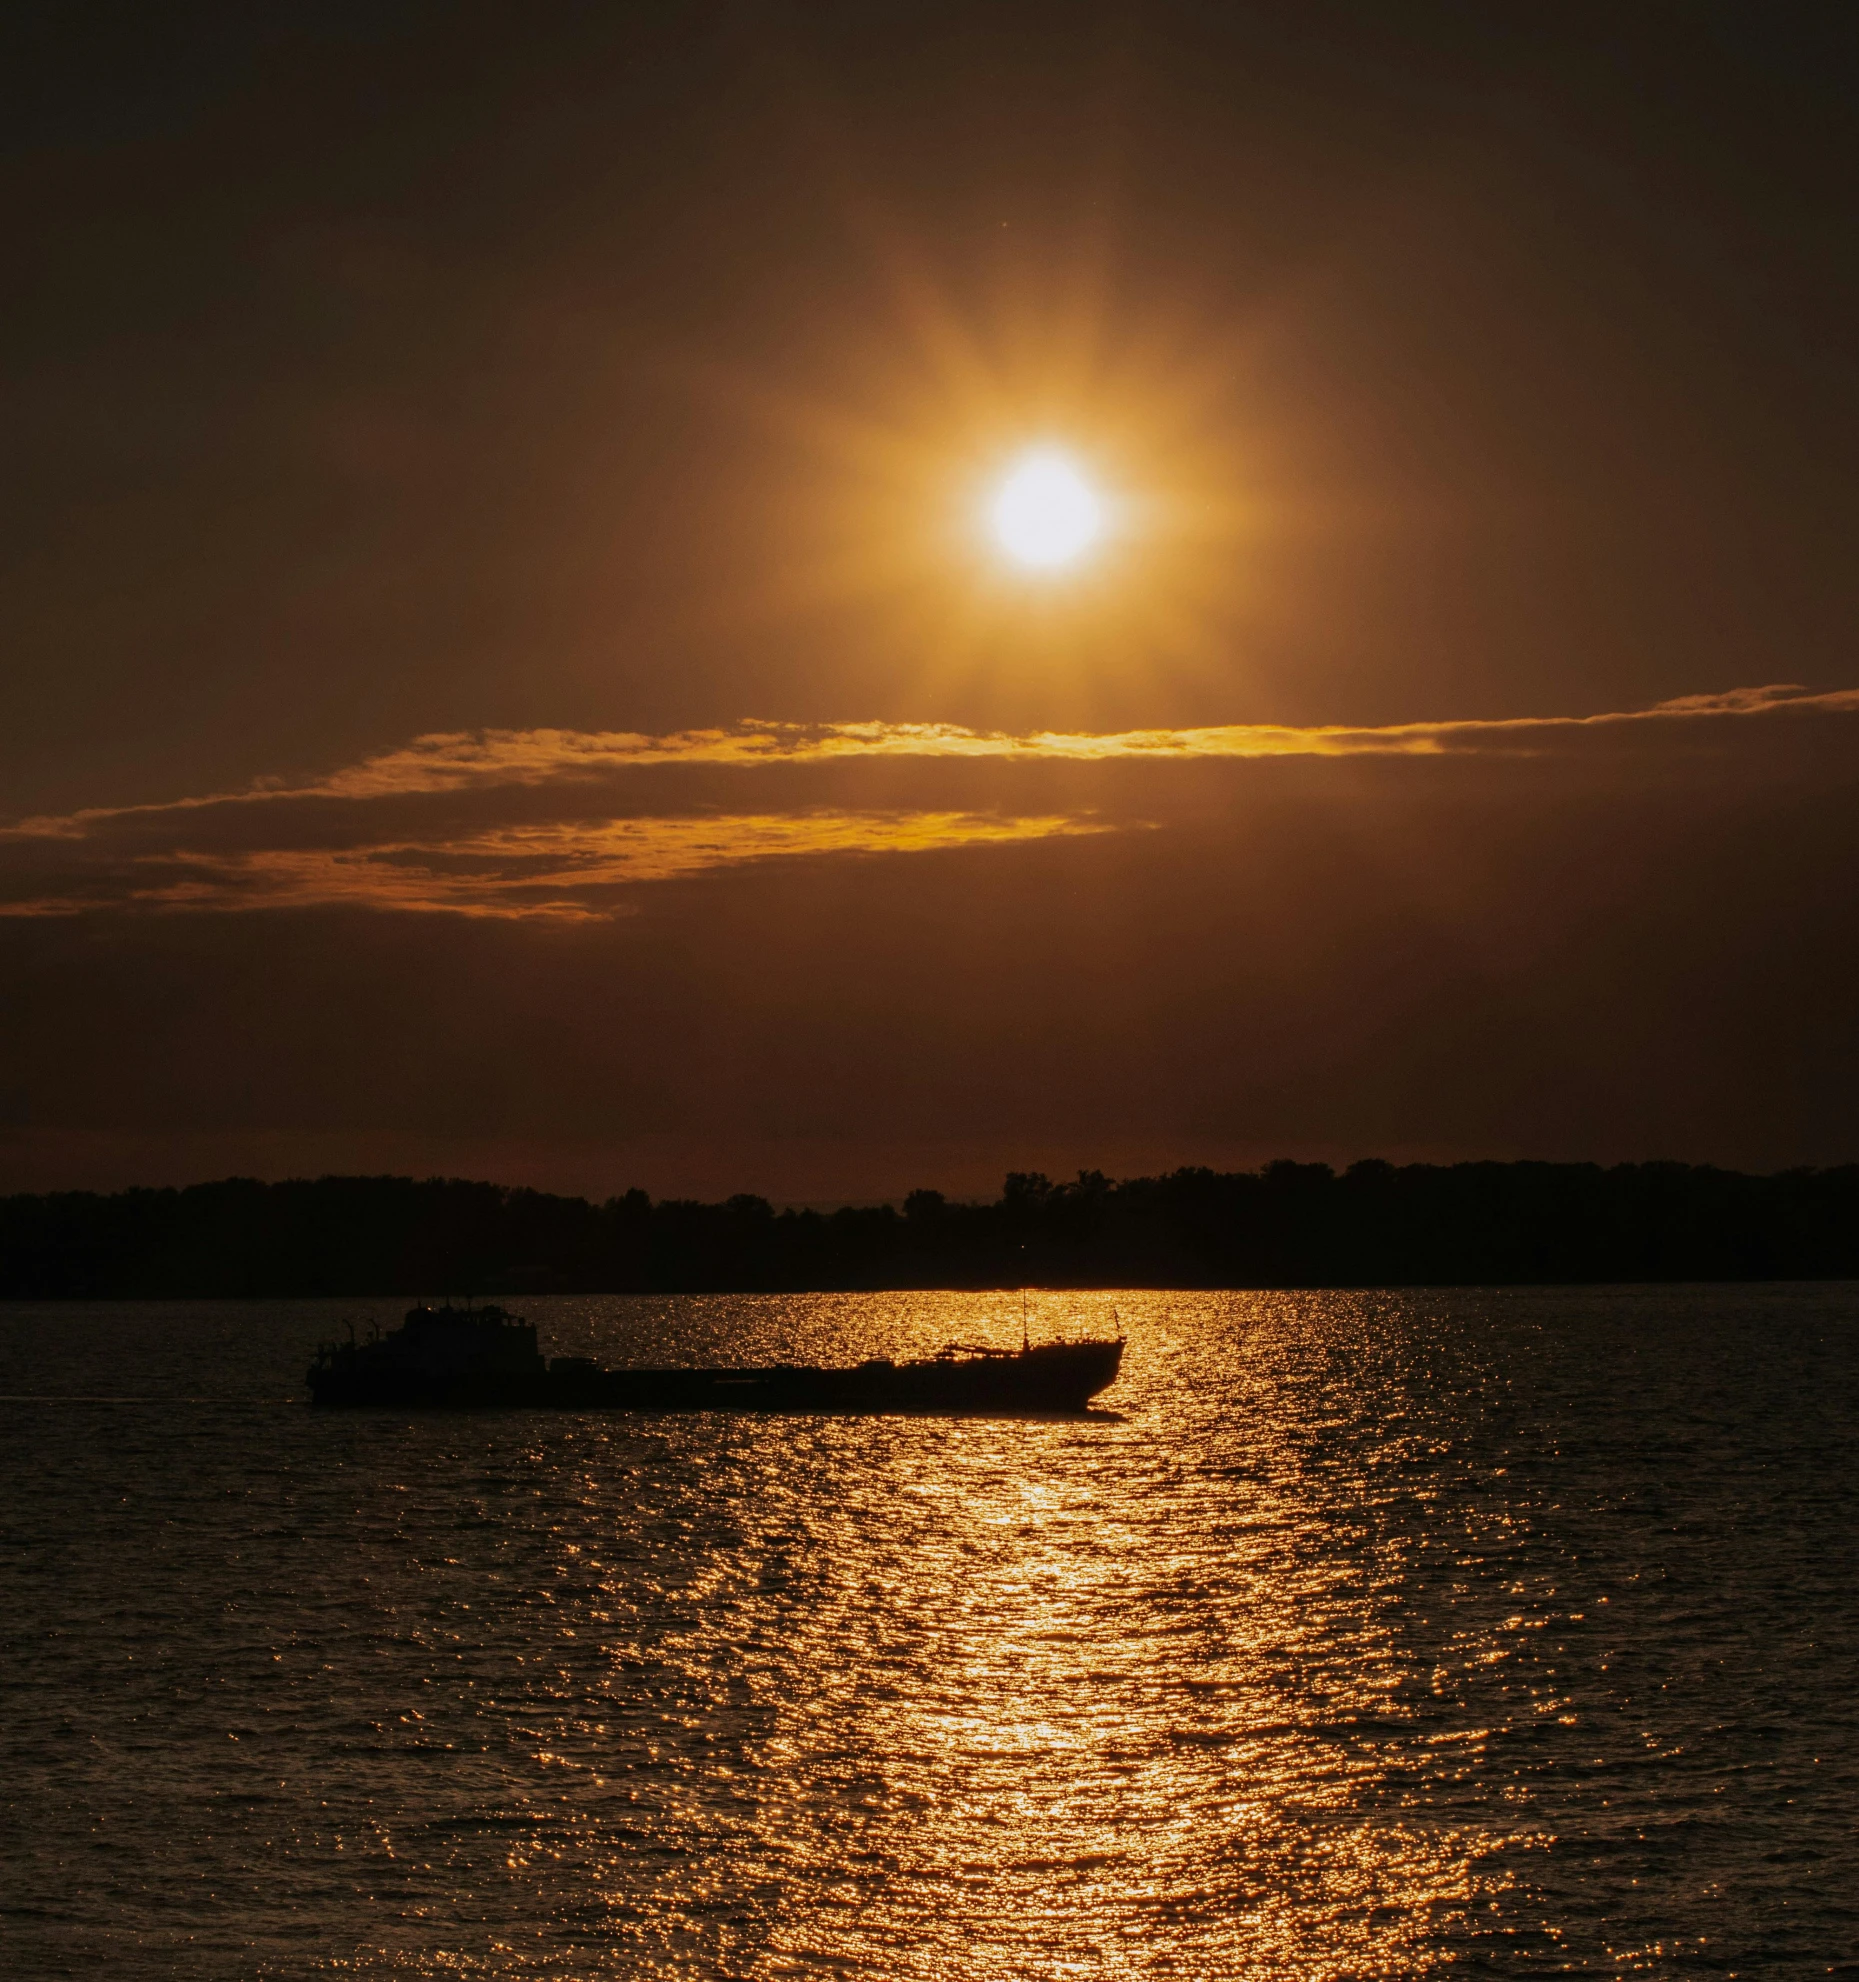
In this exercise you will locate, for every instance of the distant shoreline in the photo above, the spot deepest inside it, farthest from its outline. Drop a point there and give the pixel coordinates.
(1289, 1225)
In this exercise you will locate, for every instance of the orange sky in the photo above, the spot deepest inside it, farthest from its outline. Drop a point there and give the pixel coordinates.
(504, 675)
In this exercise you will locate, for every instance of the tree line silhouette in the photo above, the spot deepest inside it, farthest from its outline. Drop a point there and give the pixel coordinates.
(1287, 1225)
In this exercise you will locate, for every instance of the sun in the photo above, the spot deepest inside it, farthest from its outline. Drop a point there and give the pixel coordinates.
(1044, 513)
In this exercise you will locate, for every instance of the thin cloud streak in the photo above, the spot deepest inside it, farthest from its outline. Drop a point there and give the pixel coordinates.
(452, 761)
(552, 873)
(384, 834)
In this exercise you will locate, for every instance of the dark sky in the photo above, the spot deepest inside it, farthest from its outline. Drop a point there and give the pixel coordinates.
(502, 675)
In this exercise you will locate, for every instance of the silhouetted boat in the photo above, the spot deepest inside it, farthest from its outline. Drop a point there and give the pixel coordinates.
(461, 1357)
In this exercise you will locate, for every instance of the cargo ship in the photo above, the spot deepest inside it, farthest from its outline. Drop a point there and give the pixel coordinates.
(457, 1358)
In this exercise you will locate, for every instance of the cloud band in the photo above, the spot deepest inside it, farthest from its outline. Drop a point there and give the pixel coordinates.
(163, 857)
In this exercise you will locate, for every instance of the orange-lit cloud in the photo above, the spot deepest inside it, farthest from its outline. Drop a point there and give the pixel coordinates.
(464, 760)
(423, 829)
(563, 871)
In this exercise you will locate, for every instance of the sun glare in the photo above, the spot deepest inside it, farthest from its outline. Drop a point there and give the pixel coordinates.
(1045, 514)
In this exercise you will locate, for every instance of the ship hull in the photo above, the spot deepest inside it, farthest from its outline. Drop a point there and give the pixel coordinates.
(1055, 1378)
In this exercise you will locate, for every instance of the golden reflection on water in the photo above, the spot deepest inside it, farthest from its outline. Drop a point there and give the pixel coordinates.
(1049, 1698)
(1357, 1638)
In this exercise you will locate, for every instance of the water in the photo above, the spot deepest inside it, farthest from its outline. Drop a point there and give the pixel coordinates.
(1493, 1633)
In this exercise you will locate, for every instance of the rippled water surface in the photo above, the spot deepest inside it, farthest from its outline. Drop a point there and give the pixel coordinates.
(1361, 1635)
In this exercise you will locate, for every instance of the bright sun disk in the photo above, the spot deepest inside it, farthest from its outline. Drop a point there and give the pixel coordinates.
(1045, 514)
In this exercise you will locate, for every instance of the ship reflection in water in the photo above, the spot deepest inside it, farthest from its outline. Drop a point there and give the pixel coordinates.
(1369, 1635)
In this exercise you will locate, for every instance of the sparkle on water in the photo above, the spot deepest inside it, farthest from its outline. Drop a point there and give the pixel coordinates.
(1365, 1635)
(1046, 514)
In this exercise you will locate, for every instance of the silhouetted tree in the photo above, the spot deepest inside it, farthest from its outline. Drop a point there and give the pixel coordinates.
(1290, 1224)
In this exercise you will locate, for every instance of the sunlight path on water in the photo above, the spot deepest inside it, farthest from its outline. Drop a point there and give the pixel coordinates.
(1363, 1635)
